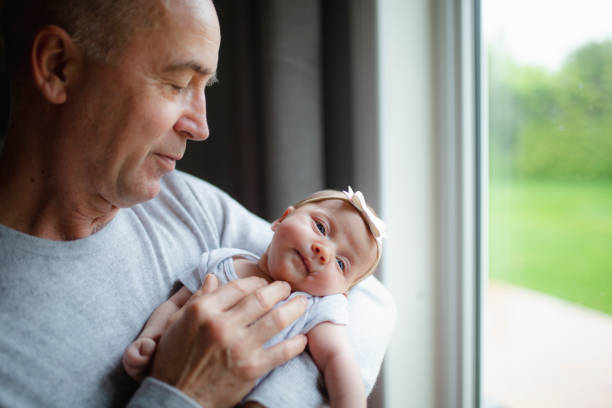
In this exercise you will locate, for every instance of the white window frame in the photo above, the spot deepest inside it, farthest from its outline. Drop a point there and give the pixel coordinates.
(433, 181)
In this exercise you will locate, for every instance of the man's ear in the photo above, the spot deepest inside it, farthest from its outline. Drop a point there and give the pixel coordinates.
(55, 60)
(288, 211)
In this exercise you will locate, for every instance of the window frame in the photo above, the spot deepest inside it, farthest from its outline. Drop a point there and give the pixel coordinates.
(463, 187)
(436, 79)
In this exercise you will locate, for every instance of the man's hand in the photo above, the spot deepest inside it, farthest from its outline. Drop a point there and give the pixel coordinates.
(212, 349)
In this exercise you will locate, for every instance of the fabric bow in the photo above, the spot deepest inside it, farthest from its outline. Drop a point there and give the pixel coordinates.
(376, 225)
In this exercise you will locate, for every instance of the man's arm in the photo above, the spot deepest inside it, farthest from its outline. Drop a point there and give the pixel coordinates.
(372, 316)
(331, 351)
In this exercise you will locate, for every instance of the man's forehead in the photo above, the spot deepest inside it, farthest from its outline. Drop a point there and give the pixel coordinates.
(185, 36)
(201, 10)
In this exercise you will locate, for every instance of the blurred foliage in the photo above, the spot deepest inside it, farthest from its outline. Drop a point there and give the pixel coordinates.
(554, 125)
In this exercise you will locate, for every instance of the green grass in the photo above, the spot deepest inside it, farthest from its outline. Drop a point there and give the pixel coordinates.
(554, 237)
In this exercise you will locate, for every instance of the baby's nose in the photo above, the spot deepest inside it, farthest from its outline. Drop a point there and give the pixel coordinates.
(322, 252)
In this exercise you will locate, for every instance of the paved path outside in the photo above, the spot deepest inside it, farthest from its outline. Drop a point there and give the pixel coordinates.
(542, 352)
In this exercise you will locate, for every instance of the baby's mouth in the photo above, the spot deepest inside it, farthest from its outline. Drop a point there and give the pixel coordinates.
(304, 261)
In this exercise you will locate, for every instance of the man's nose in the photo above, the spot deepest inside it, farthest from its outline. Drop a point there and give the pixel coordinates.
(193, 124)
(322, 252)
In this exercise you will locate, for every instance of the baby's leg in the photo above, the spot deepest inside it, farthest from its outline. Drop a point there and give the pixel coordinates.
(138, 356)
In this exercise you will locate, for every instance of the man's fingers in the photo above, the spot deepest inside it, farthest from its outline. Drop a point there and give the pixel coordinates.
(235, 291)
(260, 302)
(283, 352)
(183, 297)
(263, 361)
(211, 283)
(224, 297)
(277, 319)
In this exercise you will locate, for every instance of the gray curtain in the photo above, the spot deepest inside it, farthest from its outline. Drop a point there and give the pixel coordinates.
(280, 116)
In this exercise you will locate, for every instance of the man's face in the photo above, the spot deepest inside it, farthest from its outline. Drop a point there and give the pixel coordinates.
(132, 117)
(320, 248)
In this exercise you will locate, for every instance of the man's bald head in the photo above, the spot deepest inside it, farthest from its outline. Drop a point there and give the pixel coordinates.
(99, 27)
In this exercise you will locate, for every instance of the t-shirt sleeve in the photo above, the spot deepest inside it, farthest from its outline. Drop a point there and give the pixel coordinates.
(229, 223)
(154, 393)
(372, 316)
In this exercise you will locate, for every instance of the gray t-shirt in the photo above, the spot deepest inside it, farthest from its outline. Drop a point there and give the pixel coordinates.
(68, 309)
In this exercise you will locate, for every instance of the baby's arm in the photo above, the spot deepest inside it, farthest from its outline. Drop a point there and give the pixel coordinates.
(138, 356)
(331, 351)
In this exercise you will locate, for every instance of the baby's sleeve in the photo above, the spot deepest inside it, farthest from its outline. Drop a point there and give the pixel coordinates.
(332, 308)
(218, 262)
(195, 279)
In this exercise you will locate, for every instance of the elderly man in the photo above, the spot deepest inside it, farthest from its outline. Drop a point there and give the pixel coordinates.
(96, 226)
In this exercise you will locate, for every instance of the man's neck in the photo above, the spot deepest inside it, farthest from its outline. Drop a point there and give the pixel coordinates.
(38, 203)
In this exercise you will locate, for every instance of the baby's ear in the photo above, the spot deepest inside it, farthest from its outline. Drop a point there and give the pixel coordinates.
(288, 211)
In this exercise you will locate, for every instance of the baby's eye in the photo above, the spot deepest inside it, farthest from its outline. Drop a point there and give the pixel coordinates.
(320, 227)
(340, 263)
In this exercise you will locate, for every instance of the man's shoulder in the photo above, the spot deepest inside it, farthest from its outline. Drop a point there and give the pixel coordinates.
(184, 203)
(190, 192)
(178, 181)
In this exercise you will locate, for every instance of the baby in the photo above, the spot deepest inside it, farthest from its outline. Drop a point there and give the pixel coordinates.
(322, 247)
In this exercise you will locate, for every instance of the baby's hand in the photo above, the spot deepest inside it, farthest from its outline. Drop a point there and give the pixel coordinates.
(138, 357)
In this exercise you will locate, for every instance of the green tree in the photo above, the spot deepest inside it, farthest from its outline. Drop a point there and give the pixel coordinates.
(553, 125)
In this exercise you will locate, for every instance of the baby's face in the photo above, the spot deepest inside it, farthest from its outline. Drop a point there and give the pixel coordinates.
(320, 248)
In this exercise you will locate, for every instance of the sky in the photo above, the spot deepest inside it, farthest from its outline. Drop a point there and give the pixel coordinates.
(544, 32)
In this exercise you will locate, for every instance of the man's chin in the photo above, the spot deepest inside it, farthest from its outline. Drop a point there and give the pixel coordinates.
(150, 190)
(141, 192)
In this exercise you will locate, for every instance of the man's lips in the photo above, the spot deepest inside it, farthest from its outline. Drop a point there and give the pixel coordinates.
(169, 161)
(171, 156)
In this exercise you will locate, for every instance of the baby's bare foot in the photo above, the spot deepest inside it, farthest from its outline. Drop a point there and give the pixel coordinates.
(138, 357)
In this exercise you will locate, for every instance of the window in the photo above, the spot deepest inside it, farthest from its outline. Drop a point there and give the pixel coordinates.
(547, 321)
(496, 173)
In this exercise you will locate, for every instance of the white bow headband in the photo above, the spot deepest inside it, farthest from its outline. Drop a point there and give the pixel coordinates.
(376, 225)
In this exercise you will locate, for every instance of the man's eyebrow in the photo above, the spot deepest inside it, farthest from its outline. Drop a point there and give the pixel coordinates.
(212, 80)
(194, 66)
